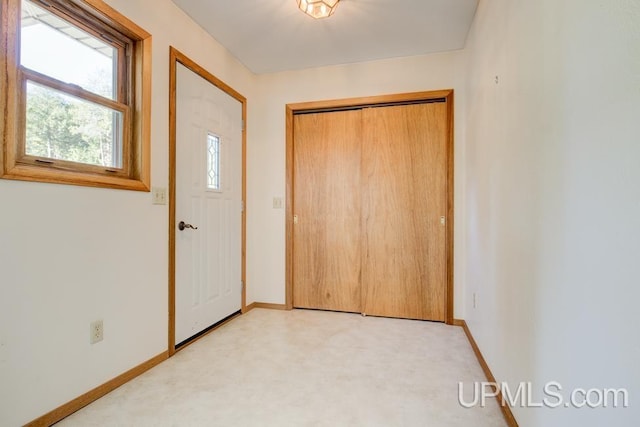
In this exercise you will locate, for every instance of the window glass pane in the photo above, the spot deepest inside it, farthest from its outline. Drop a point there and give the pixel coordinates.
(213, 162)
(63, 127)
(58, 49)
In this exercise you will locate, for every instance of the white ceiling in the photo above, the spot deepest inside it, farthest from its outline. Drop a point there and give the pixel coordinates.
(274, 35)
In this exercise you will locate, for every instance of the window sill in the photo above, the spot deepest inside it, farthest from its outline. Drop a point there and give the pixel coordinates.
(48, 175)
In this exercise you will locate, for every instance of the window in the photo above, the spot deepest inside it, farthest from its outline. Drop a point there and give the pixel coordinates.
(75, 80)
(213, 162)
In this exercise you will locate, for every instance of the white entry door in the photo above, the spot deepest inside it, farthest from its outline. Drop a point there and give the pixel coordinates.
(208, 204)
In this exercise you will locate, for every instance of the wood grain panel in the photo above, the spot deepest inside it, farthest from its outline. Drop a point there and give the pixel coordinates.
(404, 196)
(326, 201)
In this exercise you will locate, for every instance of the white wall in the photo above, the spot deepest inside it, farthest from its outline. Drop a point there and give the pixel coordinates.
(71, 255)
(553, 198)
(266, 153)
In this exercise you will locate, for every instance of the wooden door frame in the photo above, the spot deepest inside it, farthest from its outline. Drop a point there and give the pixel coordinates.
(175, 58)
(337, 104)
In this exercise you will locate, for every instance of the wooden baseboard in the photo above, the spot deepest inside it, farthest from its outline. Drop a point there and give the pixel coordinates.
(504, 407)
(80, 402)
(265, 305)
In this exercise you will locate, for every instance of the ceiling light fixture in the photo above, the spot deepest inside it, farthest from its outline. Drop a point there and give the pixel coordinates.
(318, 8)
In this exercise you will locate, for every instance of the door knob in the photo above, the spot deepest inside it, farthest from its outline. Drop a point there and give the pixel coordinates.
(182, 225)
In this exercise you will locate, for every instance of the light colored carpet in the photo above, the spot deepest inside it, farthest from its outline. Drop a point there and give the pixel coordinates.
(305, 368)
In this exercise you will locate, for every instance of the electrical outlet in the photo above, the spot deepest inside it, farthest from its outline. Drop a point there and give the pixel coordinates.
(96, 331)
(159, 196)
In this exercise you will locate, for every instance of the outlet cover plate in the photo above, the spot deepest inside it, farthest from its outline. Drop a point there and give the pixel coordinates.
(96, 332)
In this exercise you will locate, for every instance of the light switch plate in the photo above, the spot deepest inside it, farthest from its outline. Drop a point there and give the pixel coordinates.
(278, 203)
(159, 196)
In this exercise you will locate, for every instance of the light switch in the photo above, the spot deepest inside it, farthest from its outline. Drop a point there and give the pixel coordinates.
(278, 203)
(159, 196)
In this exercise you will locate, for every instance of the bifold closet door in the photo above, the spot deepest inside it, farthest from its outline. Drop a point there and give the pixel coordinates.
(327, 223)
(404, 203)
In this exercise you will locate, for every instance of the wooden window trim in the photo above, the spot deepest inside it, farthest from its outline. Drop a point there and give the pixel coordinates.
(135, 174)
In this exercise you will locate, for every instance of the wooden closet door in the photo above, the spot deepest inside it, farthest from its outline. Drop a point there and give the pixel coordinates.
(404, 196)
(327, 210)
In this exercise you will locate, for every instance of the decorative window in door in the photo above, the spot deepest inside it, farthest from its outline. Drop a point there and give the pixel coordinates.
(213, 162)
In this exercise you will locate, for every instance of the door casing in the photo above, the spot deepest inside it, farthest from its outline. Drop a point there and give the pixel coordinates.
(332, 105)
(176, 57)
